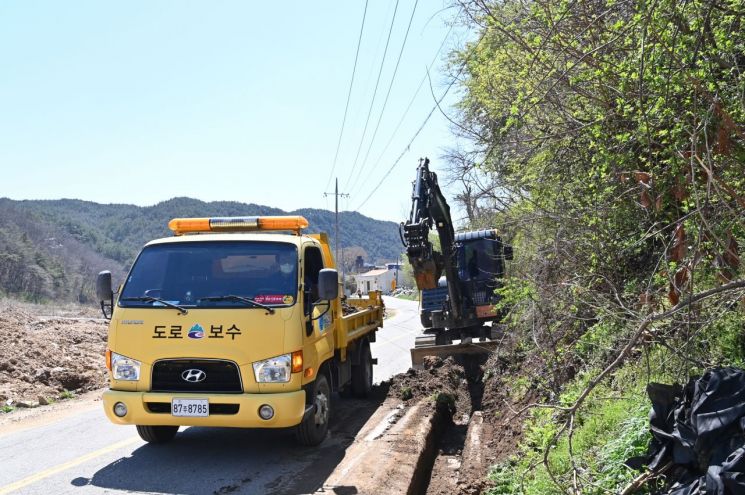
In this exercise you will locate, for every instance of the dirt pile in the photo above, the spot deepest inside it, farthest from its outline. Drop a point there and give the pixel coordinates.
(443, 381)
(42, 357)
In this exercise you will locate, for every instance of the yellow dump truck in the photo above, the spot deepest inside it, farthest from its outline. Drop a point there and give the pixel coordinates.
(234, 322)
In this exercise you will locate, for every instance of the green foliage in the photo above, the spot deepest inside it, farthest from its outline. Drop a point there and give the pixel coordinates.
(519, 387)
(67, 394)
(599, 341)
(605, 435)
(406, 274)
(515, 292)
(723, 341)
(612, 135)
(414, 296)
(6, 409)
(444, 400)
(589, 112)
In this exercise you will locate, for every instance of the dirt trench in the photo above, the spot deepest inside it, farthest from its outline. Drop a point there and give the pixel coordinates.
(457, 460)
(474, 425)
(455, 386)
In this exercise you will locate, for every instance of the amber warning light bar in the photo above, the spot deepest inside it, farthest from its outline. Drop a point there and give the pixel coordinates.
(181, 226)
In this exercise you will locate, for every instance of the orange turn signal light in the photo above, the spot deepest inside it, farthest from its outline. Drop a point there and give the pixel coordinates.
(308, 373)
(108, 359)
(297, 361)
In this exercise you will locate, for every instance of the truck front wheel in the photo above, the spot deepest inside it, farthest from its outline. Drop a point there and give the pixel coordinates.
(157, 434)
(315, 425)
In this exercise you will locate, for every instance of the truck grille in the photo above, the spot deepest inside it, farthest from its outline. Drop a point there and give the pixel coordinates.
(221, 376)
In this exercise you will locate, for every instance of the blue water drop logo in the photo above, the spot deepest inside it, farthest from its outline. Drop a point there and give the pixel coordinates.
(196, 332)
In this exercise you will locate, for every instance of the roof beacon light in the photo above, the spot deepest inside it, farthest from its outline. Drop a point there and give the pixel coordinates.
(181, 226)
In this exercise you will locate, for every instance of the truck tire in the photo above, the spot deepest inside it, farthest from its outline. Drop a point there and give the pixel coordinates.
(362, 374)
(157, 434)
(313, 429)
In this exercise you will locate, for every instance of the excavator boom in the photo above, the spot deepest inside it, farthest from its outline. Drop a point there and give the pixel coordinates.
(430, 208)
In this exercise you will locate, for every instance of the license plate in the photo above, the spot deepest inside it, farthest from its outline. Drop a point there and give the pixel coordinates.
(190, 407)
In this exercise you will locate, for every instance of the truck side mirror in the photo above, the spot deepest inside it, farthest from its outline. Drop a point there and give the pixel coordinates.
(508, 252)
(328, 284)
(104, 293)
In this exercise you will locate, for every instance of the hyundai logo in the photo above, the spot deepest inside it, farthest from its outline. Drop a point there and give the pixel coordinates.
(193, 375)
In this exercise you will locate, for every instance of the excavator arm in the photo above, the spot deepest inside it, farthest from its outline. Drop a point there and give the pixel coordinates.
(430, 208)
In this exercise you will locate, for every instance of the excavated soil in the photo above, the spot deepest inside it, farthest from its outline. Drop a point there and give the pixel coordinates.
(43, 355)
(484, 396)
(443, 381)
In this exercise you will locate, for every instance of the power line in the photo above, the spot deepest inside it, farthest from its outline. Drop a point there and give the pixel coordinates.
(408, 146)
(375, 92)
(411, 141)
(411, 102)
(387, 95)
(349, 94)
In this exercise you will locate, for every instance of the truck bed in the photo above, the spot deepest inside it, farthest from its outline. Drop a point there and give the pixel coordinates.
(367, 318)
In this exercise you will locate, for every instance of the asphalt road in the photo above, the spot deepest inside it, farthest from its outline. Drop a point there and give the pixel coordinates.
(79, 452)
(396, 338)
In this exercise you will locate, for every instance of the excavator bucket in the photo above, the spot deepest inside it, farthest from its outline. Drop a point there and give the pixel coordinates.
(425, 345)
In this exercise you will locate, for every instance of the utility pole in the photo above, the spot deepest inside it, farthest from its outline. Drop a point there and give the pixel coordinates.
(336, 195)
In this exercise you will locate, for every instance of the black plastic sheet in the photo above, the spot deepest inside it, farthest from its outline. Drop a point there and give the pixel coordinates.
(700, 429)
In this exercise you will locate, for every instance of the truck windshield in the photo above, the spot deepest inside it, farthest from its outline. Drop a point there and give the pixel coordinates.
(213, 274)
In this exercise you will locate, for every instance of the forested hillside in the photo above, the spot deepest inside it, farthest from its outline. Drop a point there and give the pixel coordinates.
(53, 249)
(610, 135)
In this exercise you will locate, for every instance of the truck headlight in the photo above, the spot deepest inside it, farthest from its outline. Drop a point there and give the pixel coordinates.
(273, 370)
(124, 368)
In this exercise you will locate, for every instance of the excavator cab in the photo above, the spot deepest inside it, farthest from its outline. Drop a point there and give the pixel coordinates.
(480, 265)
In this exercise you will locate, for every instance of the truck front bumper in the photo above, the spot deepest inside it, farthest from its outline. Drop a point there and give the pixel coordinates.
(230, 410)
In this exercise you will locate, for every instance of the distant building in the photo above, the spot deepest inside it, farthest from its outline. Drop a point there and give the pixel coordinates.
(381, 279)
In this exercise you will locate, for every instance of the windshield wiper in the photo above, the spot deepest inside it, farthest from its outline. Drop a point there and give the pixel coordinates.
(233, 297)
(158, 300)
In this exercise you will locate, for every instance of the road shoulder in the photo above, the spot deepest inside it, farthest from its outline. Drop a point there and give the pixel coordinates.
(23, 419)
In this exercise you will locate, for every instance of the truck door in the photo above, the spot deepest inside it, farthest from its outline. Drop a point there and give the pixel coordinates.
(319, 333)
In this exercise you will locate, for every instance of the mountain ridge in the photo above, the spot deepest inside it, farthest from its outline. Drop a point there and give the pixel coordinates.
(52, 248)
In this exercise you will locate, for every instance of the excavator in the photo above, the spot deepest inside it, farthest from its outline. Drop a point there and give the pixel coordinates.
(458, 283)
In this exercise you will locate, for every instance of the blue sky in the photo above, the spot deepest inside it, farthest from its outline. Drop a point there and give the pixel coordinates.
(141, 101)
